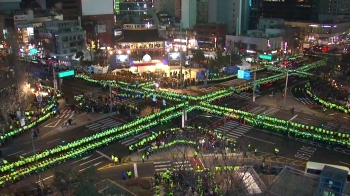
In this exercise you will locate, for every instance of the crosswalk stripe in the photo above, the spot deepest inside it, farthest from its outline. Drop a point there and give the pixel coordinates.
(233, 129)
(103, 124)
(162, 166)
(65, 114)
(272, 111)
(132, 138)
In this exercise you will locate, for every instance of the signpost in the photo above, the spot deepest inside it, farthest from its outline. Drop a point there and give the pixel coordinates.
(63, 74)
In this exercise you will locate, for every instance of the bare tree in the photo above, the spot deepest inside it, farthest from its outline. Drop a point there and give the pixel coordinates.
(16, 94)
(219, 166)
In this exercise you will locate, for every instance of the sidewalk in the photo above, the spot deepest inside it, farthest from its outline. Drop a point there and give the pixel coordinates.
(251, 158)
(277, 102)
(81, 120)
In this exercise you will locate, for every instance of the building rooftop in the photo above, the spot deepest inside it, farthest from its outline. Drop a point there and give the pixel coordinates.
(291, 182)
(140, 35)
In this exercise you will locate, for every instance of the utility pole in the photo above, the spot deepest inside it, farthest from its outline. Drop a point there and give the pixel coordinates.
(181, 60)
(254, 86)
(54, 80)
(40, 182)
(110, 98)
(285, 90)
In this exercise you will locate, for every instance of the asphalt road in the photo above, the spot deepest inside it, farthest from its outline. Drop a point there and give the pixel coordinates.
(341, 120)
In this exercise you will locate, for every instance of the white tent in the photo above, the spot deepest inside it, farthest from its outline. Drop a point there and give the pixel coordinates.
(245, 65)
(87, 56)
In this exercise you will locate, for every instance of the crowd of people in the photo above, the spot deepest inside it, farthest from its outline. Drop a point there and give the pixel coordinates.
(329, 91)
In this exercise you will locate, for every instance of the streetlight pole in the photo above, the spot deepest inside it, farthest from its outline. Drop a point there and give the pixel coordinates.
(285, 90)
(254, 86)
(110, 98)
(40, 182)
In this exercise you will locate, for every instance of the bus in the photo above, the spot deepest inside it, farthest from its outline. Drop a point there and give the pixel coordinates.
(316, 168)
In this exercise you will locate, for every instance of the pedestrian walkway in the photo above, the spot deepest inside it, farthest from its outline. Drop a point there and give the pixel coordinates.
(162, 166)
(233, 129)
(209, 89)
(66, 113)
(310, 120)
(305, 101)
(103, 124)
(132, 101)
(132, 140)
(264, 110)
(234, 82)
(245, 95)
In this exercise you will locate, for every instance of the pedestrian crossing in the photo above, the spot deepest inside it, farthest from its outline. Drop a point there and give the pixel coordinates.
(245, 95)
(66, 113)
(305, 101)
(132, 101)
(332, 126)
(162, 166)
(264, 110)
(209, 89)
(233, 129)
(103, 124)
(132, 140)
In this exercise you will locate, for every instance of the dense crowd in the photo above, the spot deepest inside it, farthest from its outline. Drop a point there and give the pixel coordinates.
(328, 91)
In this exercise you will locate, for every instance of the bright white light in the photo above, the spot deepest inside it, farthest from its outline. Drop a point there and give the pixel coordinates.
(110, 52)
(128, 51)
(119, 52)
(176, 49)
(250, 51)
(157, 85)
(146, 58)
(174, 55)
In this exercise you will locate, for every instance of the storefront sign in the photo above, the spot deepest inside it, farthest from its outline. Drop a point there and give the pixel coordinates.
(20, 18)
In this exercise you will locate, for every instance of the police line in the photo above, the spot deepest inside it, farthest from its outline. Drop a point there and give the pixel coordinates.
(25, 166)
(279, 125)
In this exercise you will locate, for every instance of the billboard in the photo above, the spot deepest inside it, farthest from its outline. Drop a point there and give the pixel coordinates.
(174, 58)
(100, 7)
(243, 74)
(122, 59)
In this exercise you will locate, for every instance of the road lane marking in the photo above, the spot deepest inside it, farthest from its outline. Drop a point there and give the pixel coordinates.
(96, 164)
(81, 159)
(53, 141)
(135, 171)
(27, 152)
(102, 154)
(45, 179)
(91, 160)
(293, 117)
(15, 153)
(258, 139)
(53, 124)
(344, 163)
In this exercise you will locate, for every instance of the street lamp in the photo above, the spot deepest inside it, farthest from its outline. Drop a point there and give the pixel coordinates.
(285, 90)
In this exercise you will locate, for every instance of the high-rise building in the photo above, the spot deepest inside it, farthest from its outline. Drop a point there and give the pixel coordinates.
(333, 11)
(254, 13)
(322, 11)
(289, 10)
(98, 22)
(132, 11)
(235, 14)
(171, 7)
(71, 9)
(61, 38)
(202, 11)
(188, 13)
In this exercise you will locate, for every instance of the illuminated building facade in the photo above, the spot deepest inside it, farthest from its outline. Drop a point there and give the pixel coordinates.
(138, 40)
